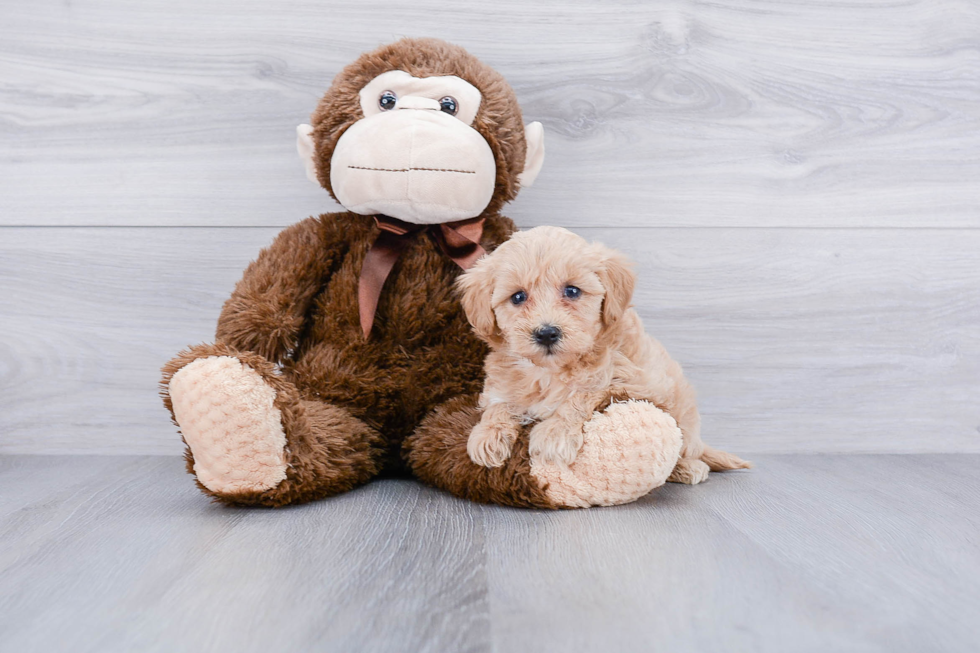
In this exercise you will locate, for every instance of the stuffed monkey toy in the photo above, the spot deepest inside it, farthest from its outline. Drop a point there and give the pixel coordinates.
(343, 353)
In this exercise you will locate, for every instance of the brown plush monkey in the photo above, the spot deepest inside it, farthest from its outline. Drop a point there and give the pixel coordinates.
(343, 352)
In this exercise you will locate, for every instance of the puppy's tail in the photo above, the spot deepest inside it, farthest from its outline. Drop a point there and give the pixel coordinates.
(719, 461)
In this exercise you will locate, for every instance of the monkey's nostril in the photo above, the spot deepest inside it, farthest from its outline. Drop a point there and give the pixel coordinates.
(547, 335)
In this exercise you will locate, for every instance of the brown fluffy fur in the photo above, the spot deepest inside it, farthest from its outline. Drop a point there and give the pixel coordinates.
(603, 352)
(349, 403)
(437, 455)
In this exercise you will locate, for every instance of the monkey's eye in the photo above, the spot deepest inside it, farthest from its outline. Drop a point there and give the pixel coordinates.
(449, 105)
(387, 101)
(571, 292)
(518, 298)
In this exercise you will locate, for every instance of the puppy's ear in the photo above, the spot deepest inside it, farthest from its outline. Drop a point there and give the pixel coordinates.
(617, 277)
(476, 288)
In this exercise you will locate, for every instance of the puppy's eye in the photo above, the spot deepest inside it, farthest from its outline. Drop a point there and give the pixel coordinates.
(387, 101)
(571, 292)
(518, 298)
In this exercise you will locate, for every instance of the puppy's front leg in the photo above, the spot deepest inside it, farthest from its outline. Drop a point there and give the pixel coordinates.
(490, 441)
(559, 438)
(556, 441)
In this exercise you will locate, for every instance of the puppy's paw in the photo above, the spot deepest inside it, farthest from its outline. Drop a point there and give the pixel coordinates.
(690, 471)
(554, 442)
(489, 446)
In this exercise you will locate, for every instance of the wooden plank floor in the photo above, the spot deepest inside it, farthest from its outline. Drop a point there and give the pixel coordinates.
(804, 553)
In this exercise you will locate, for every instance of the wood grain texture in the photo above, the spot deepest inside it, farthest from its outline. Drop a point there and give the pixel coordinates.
(803, 553)
(797, 340)
(135, 559)
(673, 113)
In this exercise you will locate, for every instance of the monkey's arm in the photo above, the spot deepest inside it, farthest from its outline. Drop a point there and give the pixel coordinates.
(266, 312)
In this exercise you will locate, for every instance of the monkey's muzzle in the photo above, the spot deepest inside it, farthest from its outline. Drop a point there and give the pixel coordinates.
(417, 165)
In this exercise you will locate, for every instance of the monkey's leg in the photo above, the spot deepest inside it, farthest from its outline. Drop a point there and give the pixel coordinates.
(251, 440)
(436, 454)
(629, 449)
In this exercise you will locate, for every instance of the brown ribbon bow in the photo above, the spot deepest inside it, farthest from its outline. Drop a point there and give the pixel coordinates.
(460, 241)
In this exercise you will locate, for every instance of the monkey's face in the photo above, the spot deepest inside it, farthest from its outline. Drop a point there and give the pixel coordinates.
(415, 155)
(421, 131)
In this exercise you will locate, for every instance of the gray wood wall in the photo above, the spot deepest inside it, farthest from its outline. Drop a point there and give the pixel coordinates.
(799, 181)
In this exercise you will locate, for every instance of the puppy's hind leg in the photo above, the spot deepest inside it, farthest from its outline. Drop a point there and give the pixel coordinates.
(697, 458)
(695, 470)
(690, 471)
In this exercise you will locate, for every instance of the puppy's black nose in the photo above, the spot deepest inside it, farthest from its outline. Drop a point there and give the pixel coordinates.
(547, 335)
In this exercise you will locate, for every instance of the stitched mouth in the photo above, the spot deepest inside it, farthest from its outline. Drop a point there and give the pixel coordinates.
(464, 172)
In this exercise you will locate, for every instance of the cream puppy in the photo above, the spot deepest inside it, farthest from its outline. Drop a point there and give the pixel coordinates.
(556, 313)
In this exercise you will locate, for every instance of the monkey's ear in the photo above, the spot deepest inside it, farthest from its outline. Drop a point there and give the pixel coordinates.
(307, 150)
(617, 277)
(476, 288)
(534, 135)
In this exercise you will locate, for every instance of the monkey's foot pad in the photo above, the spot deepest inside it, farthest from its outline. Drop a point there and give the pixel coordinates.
(228, 417)
(629, 449)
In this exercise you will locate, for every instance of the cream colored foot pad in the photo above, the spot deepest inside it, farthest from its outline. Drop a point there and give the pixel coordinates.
(629, 450)
(228, 417)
